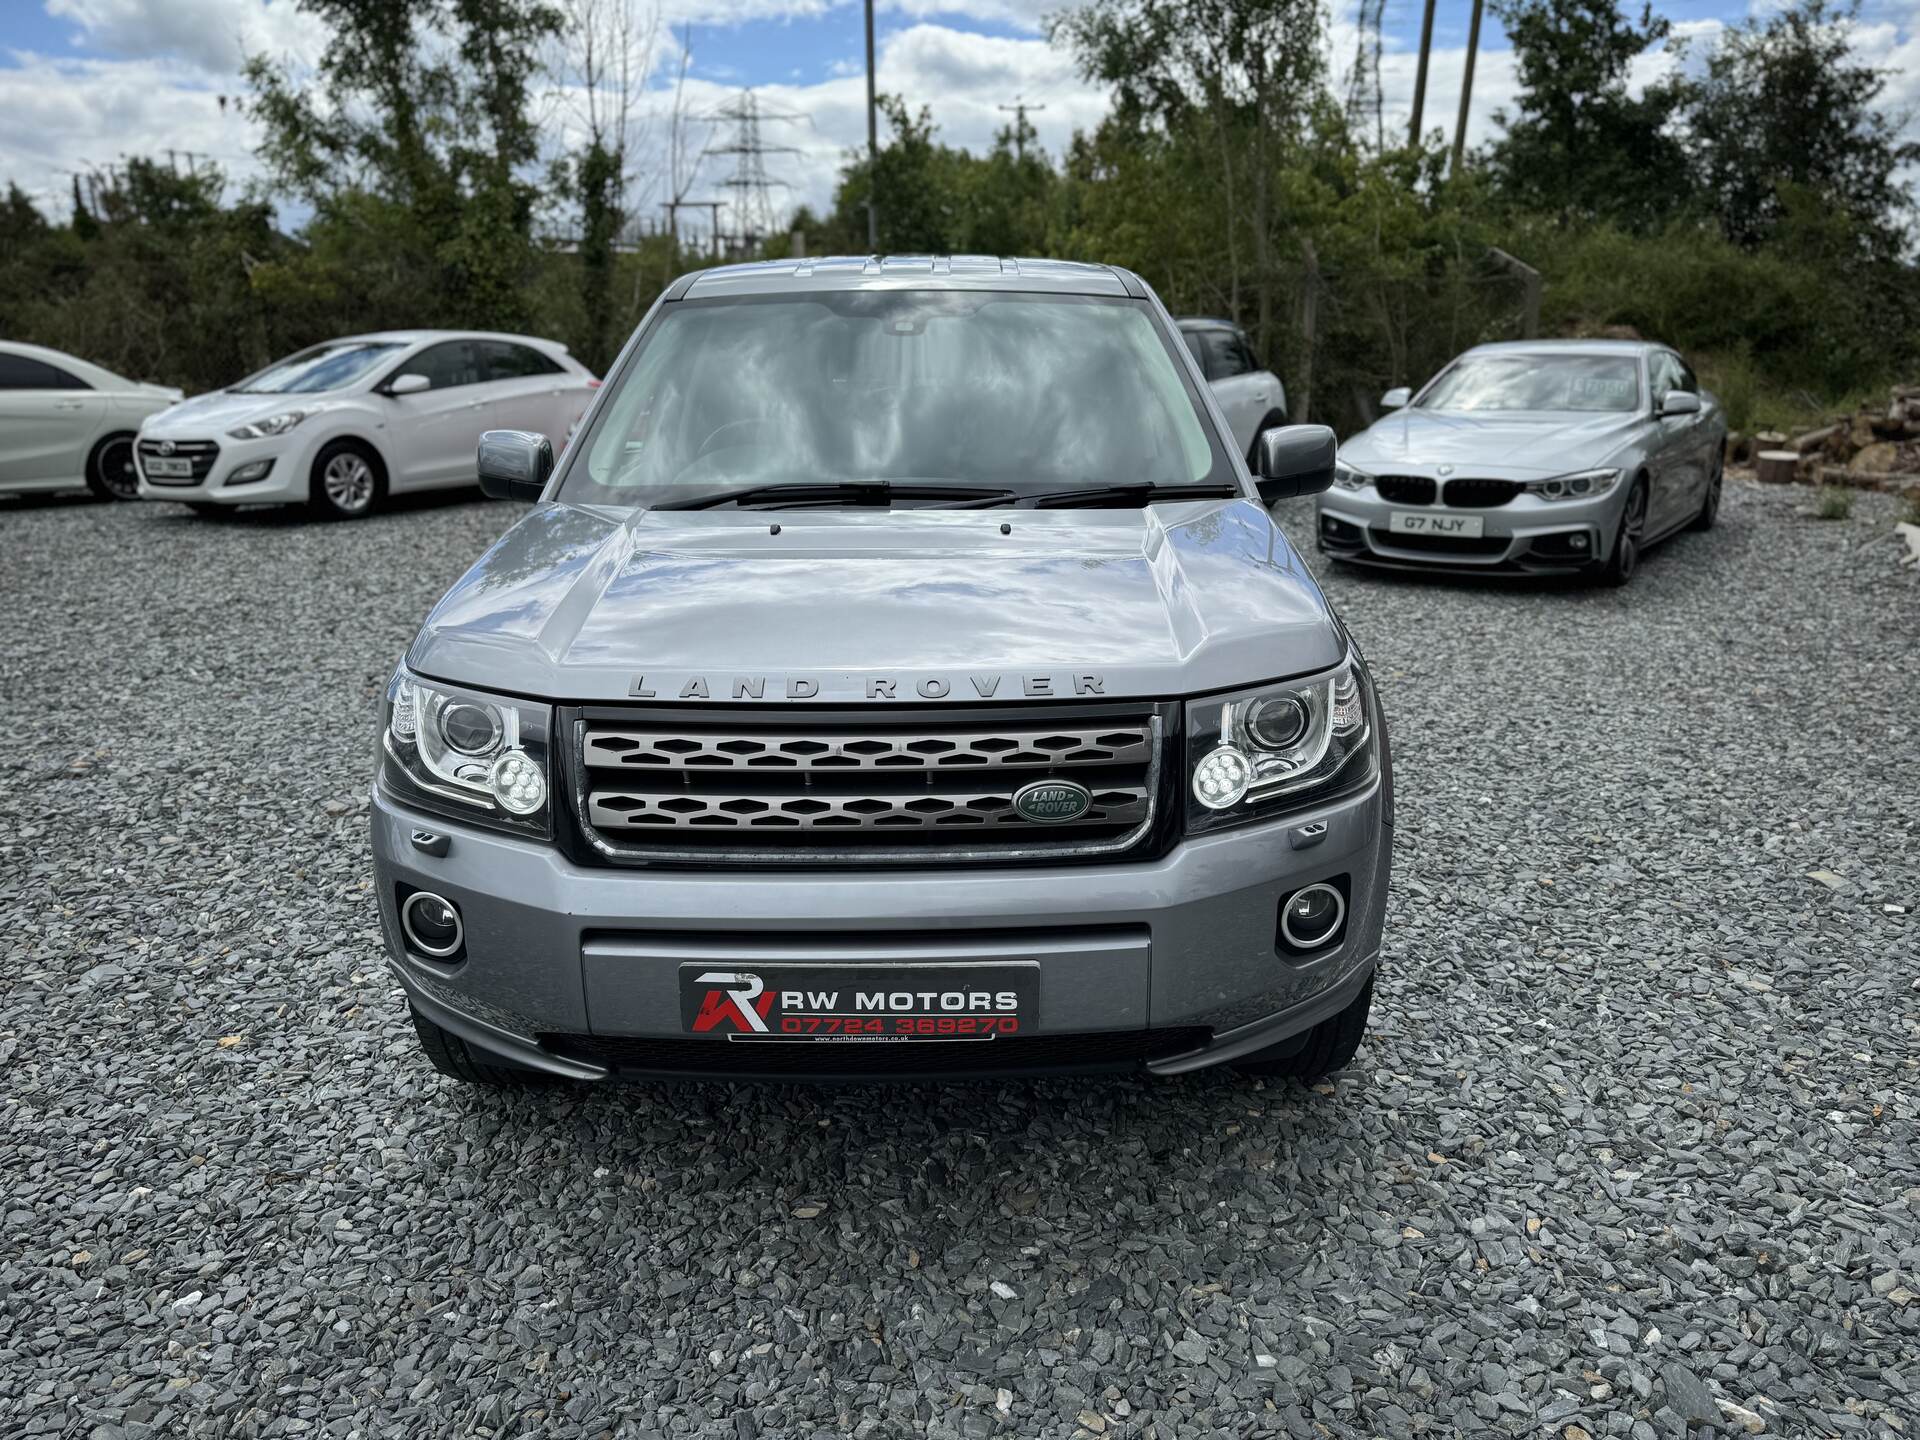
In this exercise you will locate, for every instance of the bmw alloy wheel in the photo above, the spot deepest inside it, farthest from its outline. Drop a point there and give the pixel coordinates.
(1626, 546)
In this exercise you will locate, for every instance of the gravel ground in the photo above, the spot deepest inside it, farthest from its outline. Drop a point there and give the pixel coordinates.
(1632, 1140)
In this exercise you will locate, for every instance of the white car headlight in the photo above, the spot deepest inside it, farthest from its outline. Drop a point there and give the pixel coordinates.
(467, 754)
(1581, 485)
(1348, 478)
(1263, 750)
(272, 425)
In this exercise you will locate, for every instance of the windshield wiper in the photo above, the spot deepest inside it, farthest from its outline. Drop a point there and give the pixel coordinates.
(815, 492)
(1136, 492)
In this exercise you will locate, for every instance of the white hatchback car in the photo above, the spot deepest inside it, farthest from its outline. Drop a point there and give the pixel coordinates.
(345, 423)
(66, 423)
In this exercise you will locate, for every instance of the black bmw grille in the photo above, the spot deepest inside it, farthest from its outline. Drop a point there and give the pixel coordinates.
(1006, 1055)
(1405, 489)
(1480, 494)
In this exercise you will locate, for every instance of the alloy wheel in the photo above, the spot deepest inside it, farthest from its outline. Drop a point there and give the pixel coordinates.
(348, 481)
(1633, 526)
(117, 474)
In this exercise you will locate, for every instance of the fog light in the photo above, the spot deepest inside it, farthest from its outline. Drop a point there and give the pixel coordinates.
(1576, 542)
(516, 782)
(1312, 917)
(432, 924)
(247, 474)
(1221, 778)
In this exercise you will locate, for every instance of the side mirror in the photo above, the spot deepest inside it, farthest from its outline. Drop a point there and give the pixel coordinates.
(408, 384)
(1396, 398)
(1295, 460)
(1679, 402)
(514, 464)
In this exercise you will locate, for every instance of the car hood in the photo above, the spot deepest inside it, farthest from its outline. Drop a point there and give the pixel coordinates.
(902, 607)
(219, 410)
(1510, 445)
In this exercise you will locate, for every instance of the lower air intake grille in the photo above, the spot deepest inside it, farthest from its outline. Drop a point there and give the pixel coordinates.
(1018, 1054)
(736, 788)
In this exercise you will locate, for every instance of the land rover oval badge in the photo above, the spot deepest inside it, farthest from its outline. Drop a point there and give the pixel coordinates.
(1052, 801)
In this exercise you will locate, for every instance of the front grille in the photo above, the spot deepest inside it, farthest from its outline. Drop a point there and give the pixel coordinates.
(1488, 545)
(1480, 494)
(1015, 1054)
(661, 785)
(1405, 489)
(202, 453)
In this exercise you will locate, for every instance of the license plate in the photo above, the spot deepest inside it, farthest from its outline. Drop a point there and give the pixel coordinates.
(170, 466)
(1404, 522)
(852, 1004)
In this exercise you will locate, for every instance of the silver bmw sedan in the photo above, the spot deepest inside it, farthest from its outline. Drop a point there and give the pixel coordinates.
(1531, 456)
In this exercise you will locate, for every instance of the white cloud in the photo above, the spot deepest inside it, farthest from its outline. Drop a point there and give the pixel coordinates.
(213, 35)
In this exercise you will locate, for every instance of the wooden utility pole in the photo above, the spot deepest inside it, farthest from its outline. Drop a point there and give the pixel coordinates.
(1466, 89)
(1020, 110)
(1420, 76)
(873, 147)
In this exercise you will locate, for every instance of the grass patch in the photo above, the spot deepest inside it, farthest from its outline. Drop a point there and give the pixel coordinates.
(1834, 502)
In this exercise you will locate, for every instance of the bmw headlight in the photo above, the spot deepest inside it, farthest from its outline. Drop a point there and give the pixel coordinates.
(467, 754)
(272, 425)
(1348, 478)
(1260, 752)
(1582, 485)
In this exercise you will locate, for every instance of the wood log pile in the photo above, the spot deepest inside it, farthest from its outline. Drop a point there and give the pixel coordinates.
(1872, 449)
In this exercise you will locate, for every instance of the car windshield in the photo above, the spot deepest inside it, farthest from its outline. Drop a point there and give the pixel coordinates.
(324, 367)
(1019, 392)
(1537, 382)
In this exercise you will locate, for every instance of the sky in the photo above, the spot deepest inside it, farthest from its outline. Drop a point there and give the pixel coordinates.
(86, 82)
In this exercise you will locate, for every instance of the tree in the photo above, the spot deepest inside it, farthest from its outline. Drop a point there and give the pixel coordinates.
(1784, 106)
(422, 106)
(1243, 74)
(1580, 145)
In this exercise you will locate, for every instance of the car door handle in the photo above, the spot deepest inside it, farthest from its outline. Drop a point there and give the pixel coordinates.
(69, 404)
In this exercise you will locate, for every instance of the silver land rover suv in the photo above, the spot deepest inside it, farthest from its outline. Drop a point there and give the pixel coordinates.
(899, 675)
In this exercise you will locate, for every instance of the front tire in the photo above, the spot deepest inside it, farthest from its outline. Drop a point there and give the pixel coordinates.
(1327, 1047)
(1625, 559)
(1710, 505)
(110, 471)
(450, 1055)
(347, 482)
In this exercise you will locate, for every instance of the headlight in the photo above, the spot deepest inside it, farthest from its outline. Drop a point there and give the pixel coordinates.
(1348, 478)
(1582, 485)
(1263, 751)
(467, 754)
(272, 425)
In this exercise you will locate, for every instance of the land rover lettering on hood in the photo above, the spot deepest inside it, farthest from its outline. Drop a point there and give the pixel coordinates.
(900, 675)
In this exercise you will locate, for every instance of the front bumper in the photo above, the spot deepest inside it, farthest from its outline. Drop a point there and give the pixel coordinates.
(1170, 965)
(1526, 535)
(286, 456)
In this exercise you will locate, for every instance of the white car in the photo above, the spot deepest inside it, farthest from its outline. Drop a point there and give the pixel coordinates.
(348, 422)
(65, 423)
(1251, 395)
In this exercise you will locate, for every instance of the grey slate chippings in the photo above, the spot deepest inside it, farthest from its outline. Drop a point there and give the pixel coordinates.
(1630, 1150)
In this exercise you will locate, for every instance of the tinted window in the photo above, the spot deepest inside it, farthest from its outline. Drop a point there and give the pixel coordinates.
(1241, 354)
(1537, 382)
(446, 365)
(1031, 392)
(514, 362)
(19, 372)
(1663, 371)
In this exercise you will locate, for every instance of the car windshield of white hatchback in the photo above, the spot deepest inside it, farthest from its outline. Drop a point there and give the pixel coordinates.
(1027, 394)
(1538, 382)
(324, 367)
